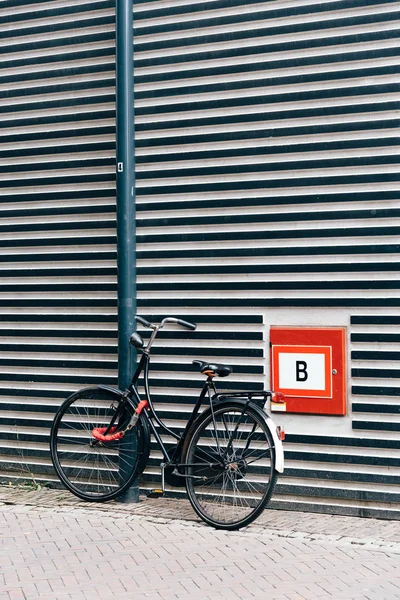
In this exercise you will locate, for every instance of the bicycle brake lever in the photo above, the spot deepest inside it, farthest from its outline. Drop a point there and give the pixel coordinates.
(145, 322)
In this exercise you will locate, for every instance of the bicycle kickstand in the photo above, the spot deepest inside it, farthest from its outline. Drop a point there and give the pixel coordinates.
(157, 492)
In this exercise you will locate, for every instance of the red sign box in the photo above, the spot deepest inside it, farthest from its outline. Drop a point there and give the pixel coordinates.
(309, 366)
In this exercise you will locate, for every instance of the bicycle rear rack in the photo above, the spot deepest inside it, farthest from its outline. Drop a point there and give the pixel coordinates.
(259, 398)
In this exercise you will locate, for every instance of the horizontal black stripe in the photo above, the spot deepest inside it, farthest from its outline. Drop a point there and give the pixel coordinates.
(253, 252)
(389, 373)
(83, 255)
(60, 166)
(352, 442)
(34, 286)
(376, 337)
(112, 317)
(369, 390)
(376, 426)
(84, 271)
(312, 197)
(344, 476)
(342, 458)
(99, 347)
(278, 217)
(59, 318)
(49, 195)
(103, 348)
(261, 285)
(112, 365)
(302, 147)
(156, 223)
(23, 121)
(82, 380)
(59, 134)
(51, 88)
(59, 333)
(375, 355)
(255, 184)
(46, 59)
(375, 319)
(376, 408)
(52, 362)
(55, 151)
(162, 335)
(362, 495)
(251, 268)
(64, 241)
(347, 301)
(95, 208)
(59, 226)
(267, 235)
(85, 380)
(63, 302)
(260, 167)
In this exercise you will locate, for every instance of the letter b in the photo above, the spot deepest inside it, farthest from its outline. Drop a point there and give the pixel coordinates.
(301, 370)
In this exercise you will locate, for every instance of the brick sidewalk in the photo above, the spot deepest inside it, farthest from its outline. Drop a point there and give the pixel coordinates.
(376, 532)
(54, 547)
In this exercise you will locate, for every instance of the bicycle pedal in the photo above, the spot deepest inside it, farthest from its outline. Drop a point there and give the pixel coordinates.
(155, 493)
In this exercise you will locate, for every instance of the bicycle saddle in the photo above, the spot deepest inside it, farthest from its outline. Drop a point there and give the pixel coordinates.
(212, 369)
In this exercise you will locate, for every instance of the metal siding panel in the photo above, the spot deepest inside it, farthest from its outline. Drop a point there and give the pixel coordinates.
(58, 326)
(267, 159)
(266, 176)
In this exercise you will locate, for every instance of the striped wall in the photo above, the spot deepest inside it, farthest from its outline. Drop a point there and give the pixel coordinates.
(267, 180)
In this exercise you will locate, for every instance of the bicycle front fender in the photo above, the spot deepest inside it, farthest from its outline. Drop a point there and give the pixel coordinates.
(117, 392)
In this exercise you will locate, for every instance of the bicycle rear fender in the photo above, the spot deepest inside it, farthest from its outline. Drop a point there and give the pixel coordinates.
(279, 455)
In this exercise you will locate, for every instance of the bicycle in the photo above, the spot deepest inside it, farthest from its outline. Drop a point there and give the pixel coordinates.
(227, 456)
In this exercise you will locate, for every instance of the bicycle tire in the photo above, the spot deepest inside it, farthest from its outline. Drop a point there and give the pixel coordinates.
(93, 471)
(230, 492)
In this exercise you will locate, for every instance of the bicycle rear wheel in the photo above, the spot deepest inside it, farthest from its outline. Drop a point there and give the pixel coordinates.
(230, 462)
(91, 469)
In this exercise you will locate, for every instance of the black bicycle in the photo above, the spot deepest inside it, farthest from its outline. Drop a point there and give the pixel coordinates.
(227, 456)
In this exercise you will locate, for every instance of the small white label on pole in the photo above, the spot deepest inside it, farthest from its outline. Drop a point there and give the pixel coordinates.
(120, 167)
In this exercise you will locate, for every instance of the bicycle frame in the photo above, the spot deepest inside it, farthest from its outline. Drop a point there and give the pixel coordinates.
(150, 413)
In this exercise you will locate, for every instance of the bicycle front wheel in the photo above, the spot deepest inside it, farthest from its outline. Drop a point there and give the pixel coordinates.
(230, 460)
(91, 469)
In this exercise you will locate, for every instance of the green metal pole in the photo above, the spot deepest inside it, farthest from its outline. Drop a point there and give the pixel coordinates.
(126, 233)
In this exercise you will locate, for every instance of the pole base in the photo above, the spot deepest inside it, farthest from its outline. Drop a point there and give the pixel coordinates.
(131, 496)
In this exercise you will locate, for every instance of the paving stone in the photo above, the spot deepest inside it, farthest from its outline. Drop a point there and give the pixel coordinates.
(58, 548)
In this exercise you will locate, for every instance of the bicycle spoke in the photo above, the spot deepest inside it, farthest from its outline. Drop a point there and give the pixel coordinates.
(232, 493)
(89, 468)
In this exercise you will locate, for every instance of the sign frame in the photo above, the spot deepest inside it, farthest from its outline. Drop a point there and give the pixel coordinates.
(329, 343)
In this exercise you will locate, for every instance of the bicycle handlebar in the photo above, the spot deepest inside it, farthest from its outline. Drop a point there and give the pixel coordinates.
(144, 322)
(181, 322)
(186, 324)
